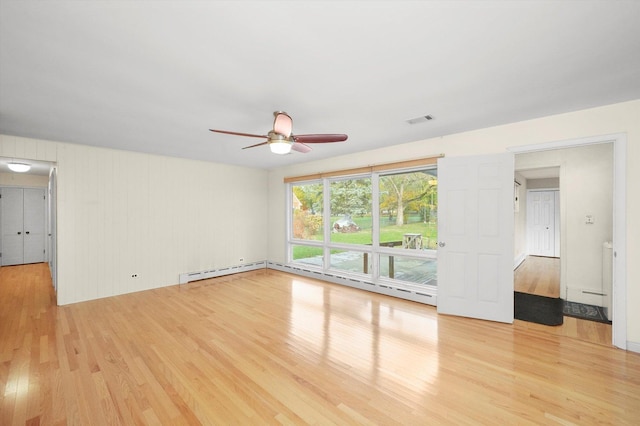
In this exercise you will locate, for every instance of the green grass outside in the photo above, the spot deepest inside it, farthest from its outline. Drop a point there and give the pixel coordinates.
(363, 237)
(365, 222)
(305, 252)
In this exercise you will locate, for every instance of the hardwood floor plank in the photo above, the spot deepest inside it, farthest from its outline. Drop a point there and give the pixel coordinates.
(538, 275)
(267, 347)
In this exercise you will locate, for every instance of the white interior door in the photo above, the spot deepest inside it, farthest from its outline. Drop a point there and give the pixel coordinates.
(23, 225)
(541, 218)
(34, 225)
(12, 219)
(475, 232)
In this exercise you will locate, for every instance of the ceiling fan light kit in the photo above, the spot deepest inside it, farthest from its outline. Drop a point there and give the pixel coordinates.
(282, 141)
(280, 147)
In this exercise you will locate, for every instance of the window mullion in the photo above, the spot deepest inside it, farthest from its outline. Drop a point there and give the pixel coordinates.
(288, 218)
(326, 212)
(375, 225)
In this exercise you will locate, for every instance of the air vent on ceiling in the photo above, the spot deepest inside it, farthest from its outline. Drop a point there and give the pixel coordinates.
(420, 119)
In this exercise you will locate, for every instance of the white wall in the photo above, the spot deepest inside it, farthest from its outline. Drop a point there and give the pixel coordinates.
(23, 180)
(618, 118)
(122, 213)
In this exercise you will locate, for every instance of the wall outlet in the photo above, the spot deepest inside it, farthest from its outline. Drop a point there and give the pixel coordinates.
(134, 275)
(242, 259)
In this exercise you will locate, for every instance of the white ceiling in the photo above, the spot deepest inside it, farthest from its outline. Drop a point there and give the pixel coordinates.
(155, 76)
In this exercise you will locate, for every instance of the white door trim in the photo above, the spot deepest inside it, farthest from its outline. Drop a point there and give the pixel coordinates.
(619, 140)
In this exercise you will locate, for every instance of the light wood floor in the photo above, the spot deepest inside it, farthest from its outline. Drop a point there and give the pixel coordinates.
(267, 347)
(541, 276)
(538, 275)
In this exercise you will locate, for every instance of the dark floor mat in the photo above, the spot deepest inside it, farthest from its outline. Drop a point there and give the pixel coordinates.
(538, 309)
(584, 311)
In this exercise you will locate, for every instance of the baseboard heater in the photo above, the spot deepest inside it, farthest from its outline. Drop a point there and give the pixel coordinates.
(213, 273)
(387, 289)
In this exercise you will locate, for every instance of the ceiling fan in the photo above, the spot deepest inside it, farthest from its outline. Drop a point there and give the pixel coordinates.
(282, 141)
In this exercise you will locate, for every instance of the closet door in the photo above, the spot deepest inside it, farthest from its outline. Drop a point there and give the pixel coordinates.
(12, 226)
(34, 218)
(541, 218)
(23, 225)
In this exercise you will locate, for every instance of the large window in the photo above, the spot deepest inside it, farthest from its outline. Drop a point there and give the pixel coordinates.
(380, 224)
(351, 211)
(307, 223)
(407, 209)
(307, 205)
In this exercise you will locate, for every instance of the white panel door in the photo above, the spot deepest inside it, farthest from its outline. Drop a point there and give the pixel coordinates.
(475, 233)
(541, 217)
(12, 219)
(34, 225)
(23, 225)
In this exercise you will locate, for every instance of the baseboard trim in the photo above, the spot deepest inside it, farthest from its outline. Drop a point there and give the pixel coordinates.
(518, 261)
(389, 290)
(633, 347)
(213, 273)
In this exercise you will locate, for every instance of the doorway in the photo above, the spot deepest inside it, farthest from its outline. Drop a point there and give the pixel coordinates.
(589, 209)
(37, 185)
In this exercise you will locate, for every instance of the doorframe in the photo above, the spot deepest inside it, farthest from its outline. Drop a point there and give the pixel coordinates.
(619, 141)
(52, 226)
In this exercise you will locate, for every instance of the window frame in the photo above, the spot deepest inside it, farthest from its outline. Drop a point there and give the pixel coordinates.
(374, 251)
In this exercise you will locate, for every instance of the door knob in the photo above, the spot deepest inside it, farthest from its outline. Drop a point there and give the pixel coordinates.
(442, 244)
(19, 233)
(27, 232)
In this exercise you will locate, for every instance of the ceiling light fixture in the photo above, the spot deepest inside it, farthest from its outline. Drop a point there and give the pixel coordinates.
(19, 167)
(280, 147)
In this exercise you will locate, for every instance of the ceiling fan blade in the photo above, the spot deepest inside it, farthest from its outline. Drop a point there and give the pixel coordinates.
(300, 147)
(258, 144)
(320, 138)
(282, 124)
(238, 133)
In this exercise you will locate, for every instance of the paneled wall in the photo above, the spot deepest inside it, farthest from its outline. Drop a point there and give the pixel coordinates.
(122, 213)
